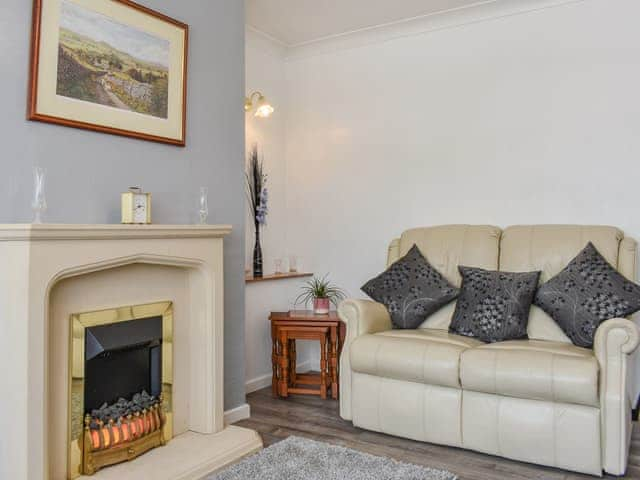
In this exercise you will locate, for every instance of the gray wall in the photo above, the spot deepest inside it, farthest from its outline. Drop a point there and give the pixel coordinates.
(87, 171)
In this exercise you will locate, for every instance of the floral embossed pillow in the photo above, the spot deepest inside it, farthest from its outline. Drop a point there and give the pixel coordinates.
(494, 306)
(411, 289)
(586, 293)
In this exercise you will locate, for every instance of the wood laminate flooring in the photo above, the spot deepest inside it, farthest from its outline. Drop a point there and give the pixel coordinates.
(311, 417)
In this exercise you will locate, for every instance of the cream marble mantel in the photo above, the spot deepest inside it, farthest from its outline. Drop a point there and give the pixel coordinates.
(36, 260)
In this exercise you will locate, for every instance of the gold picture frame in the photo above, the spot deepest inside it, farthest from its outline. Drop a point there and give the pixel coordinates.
(110, 66)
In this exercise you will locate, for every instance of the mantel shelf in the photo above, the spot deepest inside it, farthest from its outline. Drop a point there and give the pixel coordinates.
(54, 231)
(278, 276)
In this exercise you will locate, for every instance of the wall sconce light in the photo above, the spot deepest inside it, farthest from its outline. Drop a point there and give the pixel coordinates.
(263, 108)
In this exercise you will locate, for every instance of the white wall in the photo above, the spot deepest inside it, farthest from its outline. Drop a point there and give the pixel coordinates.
(531, 118)
(265, 72)
(527, 118)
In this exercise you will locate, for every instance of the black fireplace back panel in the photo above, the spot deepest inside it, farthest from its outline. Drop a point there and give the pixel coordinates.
(122, 359)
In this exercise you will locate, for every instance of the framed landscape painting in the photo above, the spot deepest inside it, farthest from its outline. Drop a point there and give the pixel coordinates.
(111, 66)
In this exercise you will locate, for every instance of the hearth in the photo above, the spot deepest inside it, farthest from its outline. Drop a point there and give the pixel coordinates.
(120, 385)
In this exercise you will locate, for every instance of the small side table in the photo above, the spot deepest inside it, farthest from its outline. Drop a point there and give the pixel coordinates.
(286, 328)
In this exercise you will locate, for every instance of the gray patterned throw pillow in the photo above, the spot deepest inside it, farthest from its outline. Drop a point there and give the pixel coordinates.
(411, 289)
(586, 293)
(494, 306)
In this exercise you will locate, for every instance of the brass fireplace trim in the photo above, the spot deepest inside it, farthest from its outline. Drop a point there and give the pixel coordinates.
(79, 322)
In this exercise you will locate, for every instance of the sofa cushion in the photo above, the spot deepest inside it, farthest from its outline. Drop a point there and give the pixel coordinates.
(411, 289)
(427, 356)
(549, 248)
(532, 369)
(446, 247)
(585, 294)
(494, 306)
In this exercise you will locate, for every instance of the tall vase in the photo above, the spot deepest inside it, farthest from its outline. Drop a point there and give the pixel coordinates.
(257, 255)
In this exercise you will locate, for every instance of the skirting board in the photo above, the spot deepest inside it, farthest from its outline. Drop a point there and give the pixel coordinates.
(264, 381)
(236, 414)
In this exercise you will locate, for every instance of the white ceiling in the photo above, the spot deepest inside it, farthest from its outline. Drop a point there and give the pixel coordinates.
(294, 22)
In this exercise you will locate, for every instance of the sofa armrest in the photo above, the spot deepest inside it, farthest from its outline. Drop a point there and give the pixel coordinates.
(614, 336)
(361, 317)
(364, 316)
(615, 339)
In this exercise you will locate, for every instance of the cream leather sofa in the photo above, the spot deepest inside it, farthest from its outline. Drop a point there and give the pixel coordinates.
(540, 400)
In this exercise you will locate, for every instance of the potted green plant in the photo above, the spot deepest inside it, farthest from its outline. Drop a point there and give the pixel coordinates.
(322, 292)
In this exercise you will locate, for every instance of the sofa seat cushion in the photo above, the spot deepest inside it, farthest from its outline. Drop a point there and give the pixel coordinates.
(427, 356)
(532, 369)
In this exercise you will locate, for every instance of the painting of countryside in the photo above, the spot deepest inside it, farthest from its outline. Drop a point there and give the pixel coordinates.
(108, 63)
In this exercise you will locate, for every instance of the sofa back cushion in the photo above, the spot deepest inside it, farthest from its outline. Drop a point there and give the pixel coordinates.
(549, 248)
(446, 247)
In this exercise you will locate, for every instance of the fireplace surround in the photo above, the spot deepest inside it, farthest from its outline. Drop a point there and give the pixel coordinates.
(51, 272)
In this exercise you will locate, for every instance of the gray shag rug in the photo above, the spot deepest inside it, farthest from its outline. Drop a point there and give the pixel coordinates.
(300, 459)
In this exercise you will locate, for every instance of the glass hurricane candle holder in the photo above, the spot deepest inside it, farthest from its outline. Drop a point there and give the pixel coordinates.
(204, 205)
(278, 265)
(39, 204)
(293, 263)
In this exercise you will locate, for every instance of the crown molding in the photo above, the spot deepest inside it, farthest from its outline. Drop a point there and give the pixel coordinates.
(255, 38)
(478, 12)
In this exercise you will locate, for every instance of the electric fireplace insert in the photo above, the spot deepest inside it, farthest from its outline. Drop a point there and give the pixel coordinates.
(121, 377)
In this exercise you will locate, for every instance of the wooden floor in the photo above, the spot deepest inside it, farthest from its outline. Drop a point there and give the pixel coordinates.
(310, 417)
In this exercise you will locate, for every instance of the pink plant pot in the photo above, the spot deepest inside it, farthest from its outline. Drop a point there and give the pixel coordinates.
(321, 306)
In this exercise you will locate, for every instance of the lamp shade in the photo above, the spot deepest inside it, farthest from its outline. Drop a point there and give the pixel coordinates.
(263, 108)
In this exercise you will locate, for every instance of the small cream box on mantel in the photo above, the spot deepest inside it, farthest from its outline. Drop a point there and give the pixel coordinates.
(136, 206)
